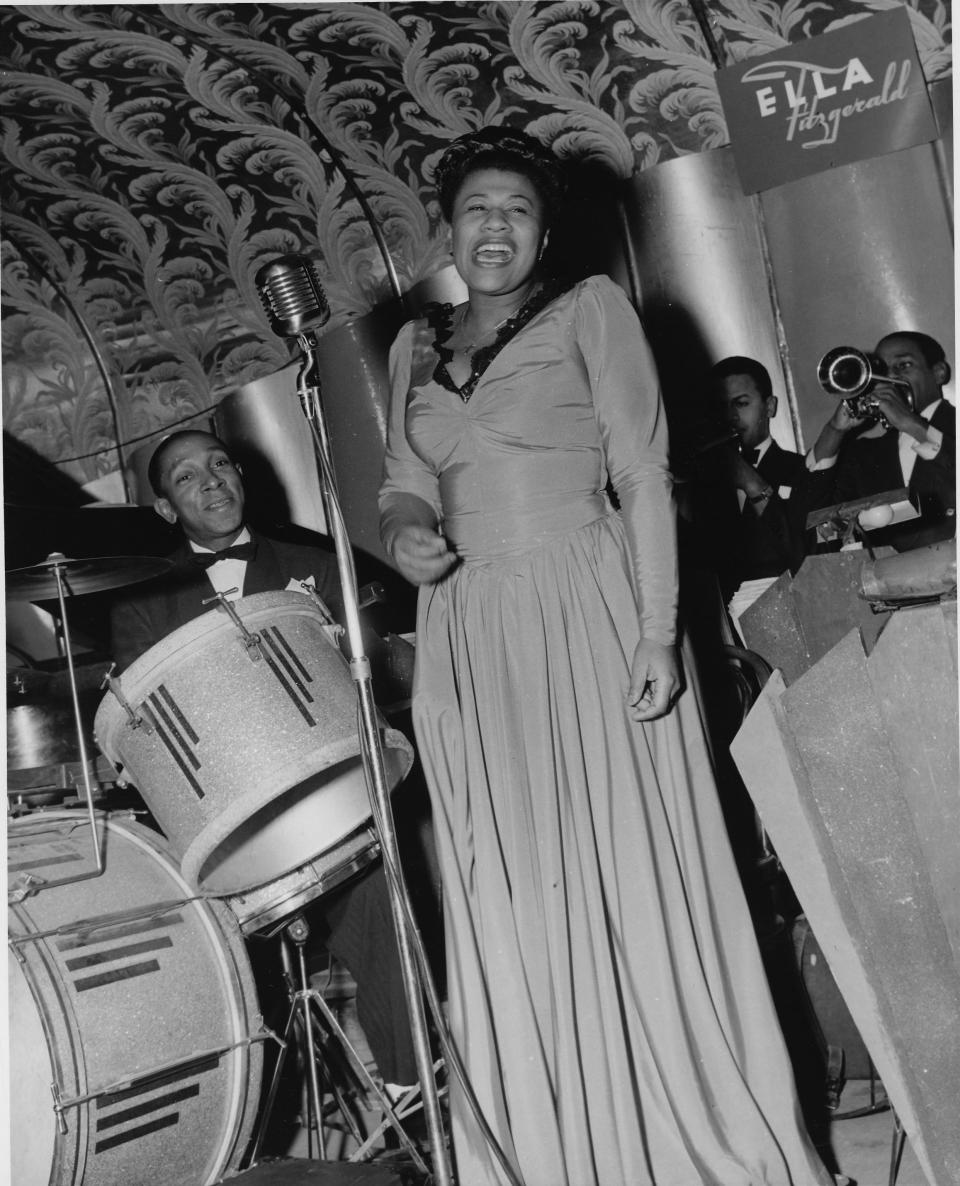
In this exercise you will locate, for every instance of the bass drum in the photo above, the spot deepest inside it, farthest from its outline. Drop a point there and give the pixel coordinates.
(135, 1049)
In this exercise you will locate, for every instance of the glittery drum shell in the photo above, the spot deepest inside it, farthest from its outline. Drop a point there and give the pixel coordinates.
(134, 1002)
(244, 742)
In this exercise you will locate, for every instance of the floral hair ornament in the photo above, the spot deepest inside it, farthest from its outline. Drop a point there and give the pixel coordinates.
(501, 147)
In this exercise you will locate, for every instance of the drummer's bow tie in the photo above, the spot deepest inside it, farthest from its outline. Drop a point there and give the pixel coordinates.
(245, 551)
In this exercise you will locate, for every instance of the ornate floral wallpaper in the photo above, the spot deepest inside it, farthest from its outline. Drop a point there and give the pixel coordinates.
(155, 155)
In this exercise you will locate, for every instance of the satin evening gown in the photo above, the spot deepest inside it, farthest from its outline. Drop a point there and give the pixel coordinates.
(605, 987)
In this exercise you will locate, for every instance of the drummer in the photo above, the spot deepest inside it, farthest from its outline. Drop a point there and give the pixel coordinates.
(199, 486)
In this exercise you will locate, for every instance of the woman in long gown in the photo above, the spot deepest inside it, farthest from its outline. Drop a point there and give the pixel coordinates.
(605, 989)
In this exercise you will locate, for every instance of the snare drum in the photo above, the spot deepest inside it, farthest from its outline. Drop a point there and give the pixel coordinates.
(264, 911)
(243, 742)
(132, 1014)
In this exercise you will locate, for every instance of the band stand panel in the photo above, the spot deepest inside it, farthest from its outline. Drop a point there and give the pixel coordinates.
(795, 622)
(816, 760)
(826, 593)
(772, 628)
(913, 674)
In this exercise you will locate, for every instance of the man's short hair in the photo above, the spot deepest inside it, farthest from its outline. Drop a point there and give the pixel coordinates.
(929, 347)
(737, 364)
(155, 464)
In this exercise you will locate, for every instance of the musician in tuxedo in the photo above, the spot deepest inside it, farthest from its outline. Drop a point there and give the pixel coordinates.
(916, 448)
(749, 495)
(199, 487)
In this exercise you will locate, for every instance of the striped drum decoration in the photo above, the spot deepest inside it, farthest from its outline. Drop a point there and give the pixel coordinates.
(134, 1027)
(239, 730)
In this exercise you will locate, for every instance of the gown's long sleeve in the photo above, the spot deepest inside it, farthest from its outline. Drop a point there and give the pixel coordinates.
(409, 491)
(633, 430)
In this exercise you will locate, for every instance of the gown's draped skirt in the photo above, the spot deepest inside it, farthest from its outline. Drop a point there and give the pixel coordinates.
(605, 987)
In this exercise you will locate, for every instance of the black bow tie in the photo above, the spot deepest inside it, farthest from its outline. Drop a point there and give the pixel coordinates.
(245, 551)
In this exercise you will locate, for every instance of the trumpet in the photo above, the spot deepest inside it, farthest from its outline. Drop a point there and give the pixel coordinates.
(852, 375)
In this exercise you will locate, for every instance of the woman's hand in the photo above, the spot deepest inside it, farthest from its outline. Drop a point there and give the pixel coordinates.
(654, 682)
(421, 554)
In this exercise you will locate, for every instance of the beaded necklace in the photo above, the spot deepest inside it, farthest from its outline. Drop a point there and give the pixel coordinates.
(441, 317)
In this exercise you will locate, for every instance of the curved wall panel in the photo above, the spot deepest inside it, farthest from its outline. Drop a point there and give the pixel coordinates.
(858, 252)
(265, 427)
(838, 258)
(702, 278)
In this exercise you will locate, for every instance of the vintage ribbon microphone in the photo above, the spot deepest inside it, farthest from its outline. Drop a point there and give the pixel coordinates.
(296, 306)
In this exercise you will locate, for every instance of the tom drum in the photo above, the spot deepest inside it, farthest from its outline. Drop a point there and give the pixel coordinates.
(243, 741)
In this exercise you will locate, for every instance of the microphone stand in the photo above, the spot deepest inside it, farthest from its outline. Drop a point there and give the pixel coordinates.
(308, 383)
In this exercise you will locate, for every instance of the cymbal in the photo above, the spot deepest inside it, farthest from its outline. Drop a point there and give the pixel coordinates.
(92, 575)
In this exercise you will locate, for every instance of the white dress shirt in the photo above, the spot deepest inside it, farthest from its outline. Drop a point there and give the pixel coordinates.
(230, 573)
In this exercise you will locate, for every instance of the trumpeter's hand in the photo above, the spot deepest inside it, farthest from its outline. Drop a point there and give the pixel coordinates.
(898, 415)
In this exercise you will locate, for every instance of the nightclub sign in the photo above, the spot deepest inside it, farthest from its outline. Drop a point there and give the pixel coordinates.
(844, 96)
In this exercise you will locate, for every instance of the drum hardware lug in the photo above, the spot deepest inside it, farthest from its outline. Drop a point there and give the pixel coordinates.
(58, 1107)
(25, 885)
(331, 627)
(265, 1033)
(250, 641)
(18, 955)
(110, 681)
(321, 605)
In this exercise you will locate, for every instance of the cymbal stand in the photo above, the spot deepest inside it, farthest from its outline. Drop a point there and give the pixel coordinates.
(58, 563)
(302, 999)
(309, 391)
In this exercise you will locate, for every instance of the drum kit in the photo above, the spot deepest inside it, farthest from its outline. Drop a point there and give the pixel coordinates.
(134, 1017)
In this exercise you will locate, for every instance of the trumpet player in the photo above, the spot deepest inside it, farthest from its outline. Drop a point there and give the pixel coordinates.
(900, 433)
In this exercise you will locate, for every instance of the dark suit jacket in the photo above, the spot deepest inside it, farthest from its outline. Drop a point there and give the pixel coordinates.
(872, 465)
(139, 622)
(740, 545)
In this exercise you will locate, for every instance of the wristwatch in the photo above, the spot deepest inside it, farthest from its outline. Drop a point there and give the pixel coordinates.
(761, 497)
